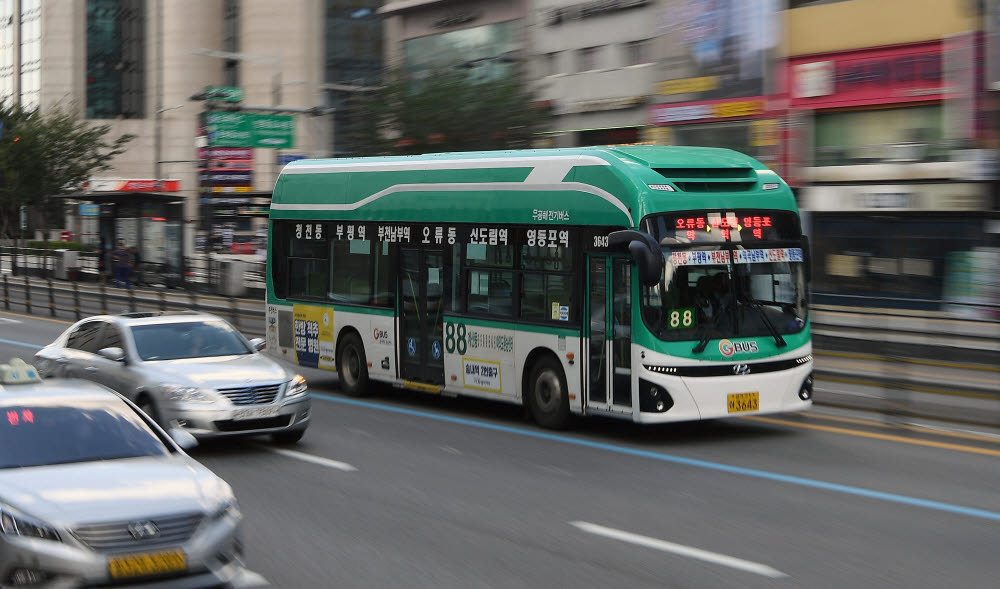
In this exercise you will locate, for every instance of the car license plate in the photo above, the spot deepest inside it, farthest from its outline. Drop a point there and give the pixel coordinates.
(254, 412)
(739, 402)
(147, 564)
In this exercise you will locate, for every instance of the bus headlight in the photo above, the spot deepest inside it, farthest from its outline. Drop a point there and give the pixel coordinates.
(654, 398)
(806, 391)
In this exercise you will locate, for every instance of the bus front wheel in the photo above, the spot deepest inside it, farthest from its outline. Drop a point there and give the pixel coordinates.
(548, 396)
(352, 367)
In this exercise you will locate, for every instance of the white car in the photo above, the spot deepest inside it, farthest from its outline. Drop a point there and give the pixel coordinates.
(93, 493)
(191, 371)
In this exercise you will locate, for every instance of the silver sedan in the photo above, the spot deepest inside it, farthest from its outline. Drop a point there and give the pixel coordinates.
(191, 371)
(93, 493)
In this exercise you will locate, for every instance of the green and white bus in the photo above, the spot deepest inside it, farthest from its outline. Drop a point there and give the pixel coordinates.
(649, 283)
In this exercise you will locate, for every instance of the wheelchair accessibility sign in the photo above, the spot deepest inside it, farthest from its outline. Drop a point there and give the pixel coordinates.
(411, 346)
(436, 350)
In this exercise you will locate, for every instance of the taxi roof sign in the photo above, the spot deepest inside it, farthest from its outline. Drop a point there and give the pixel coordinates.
(18, 372)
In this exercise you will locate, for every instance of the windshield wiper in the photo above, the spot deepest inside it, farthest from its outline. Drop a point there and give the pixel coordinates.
(755, 304)
(707, 329)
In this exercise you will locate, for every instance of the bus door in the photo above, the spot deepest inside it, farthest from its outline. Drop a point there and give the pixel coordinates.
(609, 333)
(421, 342)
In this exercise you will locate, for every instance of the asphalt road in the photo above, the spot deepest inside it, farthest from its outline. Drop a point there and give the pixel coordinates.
(411, 490)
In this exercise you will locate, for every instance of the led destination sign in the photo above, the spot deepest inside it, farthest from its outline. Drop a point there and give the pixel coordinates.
(741, 225)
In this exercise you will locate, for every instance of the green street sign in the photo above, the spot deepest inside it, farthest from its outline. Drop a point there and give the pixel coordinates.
(276, 131)
(224, 93)
(244, 129)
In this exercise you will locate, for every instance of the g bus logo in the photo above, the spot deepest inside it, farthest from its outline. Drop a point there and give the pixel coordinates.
(728, 348)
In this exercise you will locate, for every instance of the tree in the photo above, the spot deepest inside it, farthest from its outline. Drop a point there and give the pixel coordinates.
(45, 155)
(448, 110)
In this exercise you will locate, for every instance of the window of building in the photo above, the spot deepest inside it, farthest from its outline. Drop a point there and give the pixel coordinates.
(589, 59)
(8, 52)
(637, 52)
(231, 40)
(550, 64)
(31, 54)
(115, 70)
(909, 134)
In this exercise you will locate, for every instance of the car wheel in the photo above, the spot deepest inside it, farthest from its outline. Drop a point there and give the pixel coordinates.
(352, 367)
(548, 397)
(289, 437)
(145, 403)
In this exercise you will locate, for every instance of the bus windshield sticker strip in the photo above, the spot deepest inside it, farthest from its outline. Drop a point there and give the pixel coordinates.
(751, 256)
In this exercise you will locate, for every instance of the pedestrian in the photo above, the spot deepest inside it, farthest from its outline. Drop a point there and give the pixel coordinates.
(136, 264)
(102, 267)
(123, 265)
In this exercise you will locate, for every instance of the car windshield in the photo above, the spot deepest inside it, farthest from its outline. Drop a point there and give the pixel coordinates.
(717, 292)
(38, 434)
(189, 339)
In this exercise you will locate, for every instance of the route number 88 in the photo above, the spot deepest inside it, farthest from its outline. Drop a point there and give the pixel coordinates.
(681, 318)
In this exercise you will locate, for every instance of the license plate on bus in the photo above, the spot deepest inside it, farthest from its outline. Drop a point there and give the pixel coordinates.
(147, 564)
(739, 402)
(254, 412)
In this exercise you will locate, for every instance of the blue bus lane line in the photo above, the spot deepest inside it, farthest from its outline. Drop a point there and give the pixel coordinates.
(663, 457)
(671, 458)
(22, 344)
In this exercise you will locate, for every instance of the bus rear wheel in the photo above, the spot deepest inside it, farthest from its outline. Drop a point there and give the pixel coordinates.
(548, 397)
(352, 367)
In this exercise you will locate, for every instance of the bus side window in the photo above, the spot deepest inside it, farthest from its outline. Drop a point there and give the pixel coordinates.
(308, 264)
(279, 254)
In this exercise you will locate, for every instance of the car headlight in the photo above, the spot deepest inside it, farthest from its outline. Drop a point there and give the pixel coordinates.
(15, 523)
(183, 394)
(229, 508)
(296, 387)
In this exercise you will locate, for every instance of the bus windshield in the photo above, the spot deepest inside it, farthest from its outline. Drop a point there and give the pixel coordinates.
(720, 291)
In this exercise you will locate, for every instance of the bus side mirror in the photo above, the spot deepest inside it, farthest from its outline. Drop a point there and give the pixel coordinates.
(646, 252)
(807, 258)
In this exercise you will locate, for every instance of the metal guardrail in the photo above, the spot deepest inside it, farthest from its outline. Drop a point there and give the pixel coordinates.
(891, 390)
(204, 273)
(70, 300)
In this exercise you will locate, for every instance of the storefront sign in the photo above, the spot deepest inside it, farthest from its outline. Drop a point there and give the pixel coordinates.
(812, 79)
(557, 16)
(455, 19)
(285, 159)
(910, 197)
(723, 49)
(90, 210)
(600, 104)
(213, 178)
(886, 75)
(688, 85)
(670, 114)
(128, 185)
(225, 153)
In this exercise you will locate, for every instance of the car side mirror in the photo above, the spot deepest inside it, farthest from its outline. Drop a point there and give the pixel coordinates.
(258, 344)
(182, 438)
(113, 354)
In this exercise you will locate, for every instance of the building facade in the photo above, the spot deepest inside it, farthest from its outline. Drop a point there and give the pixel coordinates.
(890, 146)
(143, 67)
(595, 63)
